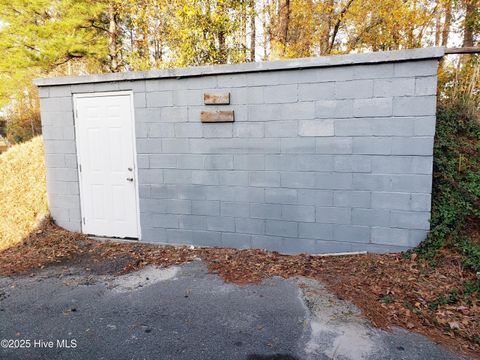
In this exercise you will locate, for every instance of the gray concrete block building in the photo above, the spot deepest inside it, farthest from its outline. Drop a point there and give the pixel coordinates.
(317, 155)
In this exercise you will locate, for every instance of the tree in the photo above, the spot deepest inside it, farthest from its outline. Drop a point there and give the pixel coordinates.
(41, 37)
(279, 28)
(57, 37)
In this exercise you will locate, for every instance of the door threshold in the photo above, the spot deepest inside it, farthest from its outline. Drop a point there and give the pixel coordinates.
(114, 239)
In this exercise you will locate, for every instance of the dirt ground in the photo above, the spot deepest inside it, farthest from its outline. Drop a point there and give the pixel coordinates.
(389, 289)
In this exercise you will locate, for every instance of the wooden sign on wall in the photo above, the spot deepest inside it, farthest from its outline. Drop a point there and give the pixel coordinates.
(216, 116)
(216, 99)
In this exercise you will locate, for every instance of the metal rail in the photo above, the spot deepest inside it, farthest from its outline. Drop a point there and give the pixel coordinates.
(463, 50)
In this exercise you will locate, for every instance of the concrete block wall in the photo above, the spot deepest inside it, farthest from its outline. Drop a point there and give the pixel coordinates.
(60, 156)
(318, 160)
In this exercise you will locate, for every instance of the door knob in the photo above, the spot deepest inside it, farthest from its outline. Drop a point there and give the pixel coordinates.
(129, 179)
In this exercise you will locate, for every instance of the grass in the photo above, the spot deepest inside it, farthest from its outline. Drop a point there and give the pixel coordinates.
(23, 195)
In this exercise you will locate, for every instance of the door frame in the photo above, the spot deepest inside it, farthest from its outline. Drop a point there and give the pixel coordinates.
(134, 142)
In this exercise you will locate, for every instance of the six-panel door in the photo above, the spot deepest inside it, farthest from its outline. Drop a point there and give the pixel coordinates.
(106, 155)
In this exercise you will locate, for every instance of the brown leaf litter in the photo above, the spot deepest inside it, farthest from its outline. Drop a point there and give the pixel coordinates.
(389, 289)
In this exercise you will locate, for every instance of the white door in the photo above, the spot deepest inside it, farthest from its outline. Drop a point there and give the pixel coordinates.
(106, 156)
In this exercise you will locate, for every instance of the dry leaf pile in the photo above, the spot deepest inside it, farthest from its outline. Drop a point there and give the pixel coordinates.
(23, 191)
(390, 289)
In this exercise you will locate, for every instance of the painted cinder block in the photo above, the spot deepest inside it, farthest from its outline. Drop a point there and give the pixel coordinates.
(191, 192)
(354, 89)
(304, 213)
(188, 130)
(290, 111)
(235, 209)
(394, 87)
(57, 118)
(410, 220)
(190, 161)
(233, 178)
(389, 200)
(159, 99)
(351, 164)
(266, 211)
(217, 162)
(235, 240)
(249, 162)
(250, 226)
(163, 191)
(316, 231)
(280, 94)
(192, 222)
(217, 130)
(281, 228)
(281, 128)
(318, 159)
(375, 127)
(370, 217)
(353, 199)
(372, 107)
(390, 236)
(316, 91)
(415, 68)
(297, 180)
(281, 196)
(249, 130)
(426, 85)
(334, 145)
(333, 215)
(267, 179)
(217, 223)
(402, 164)
(334, 109)
(319, 127)
(352, 233)
(162, 161)
(200, 207)
(245, 95)
(414, 105)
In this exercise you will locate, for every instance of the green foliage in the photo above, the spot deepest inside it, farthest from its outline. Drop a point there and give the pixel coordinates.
(456, 184)
(204, 31)
(470, 288)
(471, 255)
(452, 298)
(387, 299)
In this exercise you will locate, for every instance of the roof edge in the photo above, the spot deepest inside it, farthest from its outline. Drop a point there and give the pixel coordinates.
(277, 65)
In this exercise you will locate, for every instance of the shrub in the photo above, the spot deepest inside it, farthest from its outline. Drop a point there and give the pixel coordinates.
(456, 183)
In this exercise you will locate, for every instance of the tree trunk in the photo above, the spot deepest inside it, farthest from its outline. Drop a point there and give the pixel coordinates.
(469, 22)
(145, 34)
(266, 31)
(253, 32)
(284, 20)
(337, 25)
(279, 23)
(468, 28)
(326, 28)
(411, 28)
(446, 24)
(113, 38)
(438, 24)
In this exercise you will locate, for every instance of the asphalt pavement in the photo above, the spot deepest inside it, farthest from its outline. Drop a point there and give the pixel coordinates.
(183, 312)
